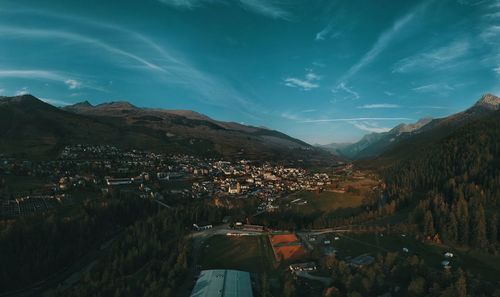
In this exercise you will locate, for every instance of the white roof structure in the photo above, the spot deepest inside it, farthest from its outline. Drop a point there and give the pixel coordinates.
(223, 283)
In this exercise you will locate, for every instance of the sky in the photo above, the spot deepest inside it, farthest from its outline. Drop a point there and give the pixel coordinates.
(321, 71)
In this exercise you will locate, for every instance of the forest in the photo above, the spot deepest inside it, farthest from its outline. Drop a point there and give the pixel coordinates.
(34, 248)
(454, 186)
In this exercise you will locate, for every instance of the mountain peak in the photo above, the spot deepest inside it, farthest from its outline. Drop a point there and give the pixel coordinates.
(84, 104)
(117, 105)
(489, 101)
(26, 99)
(406, 128)
(79, 107)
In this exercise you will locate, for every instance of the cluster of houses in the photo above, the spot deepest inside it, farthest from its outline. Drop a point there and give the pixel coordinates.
(103, 167)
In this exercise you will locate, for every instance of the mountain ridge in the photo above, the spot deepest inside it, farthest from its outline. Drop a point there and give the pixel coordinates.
(29, 125)
(374, 144)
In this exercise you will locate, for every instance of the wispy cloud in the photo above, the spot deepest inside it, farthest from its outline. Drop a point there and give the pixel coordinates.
(429, 107)
(384, 40)
(184, 4)
(440, 58)
(342, 87)
(55, 102)
(300, 83)
(291, 116)
(173, 68)
(379, 105)
(493, 15)
(355, 119)
(52, 33)
(22, 91)
(308, 83)
(269, 8)
(72, 84)
(326, 32)
(41, 74)
(433, 88)
(38, 74)
(490, 34)
(370, 127)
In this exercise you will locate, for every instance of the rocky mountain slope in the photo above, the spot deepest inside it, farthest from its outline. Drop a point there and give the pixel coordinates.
(402, 137)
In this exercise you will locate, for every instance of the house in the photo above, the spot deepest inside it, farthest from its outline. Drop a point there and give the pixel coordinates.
(234, 189)
(118, 181)
(201, 228)
(362, 260)
(253, 228)
(307, 266)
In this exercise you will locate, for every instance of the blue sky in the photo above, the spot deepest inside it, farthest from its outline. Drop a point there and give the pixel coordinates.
(322, 71)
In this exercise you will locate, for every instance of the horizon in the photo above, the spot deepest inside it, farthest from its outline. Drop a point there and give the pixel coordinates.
(323, 72)
(167, 109)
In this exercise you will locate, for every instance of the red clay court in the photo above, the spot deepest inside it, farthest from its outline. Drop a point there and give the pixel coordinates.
(287, 246)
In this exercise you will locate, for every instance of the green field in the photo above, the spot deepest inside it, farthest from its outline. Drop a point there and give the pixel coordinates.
(248, 253)
(346, 203)
(485, 265)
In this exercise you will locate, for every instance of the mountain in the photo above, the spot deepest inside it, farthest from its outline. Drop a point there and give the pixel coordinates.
(30, 126)
(451, 186)
(374, 143)
(489, 101)
(334, 148)
(435, 131)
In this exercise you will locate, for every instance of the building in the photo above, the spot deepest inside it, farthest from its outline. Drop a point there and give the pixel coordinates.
(308, 266)
(118, 181)
(202, 228)
(235, 189)
(223, 283)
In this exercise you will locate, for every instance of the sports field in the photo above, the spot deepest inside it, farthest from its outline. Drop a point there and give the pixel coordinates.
(287, 247)
(247, 253)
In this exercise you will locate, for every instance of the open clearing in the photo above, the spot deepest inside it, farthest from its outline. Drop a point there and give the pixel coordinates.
(248, 253)
(325, 202)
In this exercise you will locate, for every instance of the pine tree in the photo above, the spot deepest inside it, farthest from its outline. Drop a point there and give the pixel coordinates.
(429, 224)
(479, 228)
(462, 211)
(493, 229)
(452, 228)
(461, 285)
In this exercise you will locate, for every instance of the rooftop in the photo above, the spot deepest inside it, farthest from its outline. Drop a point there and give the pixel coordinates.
(223, 283)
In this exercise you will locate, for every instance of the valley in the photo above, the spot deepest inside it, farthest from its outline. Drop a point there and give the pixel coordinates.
(149, 221)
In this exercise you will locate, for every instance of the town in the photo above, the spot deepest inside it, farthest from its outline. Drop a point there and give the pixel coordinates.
(82, 168)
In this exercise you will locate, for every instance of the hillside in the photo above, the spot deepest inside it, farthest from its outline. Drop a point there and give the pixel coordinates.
(381, 149)
(437, 130)
(459, 177)
(30, 126)
(373, 144)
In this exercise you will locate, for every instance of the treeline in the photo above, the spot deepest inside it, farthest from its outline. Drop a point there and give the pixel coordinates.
(35, 248)
(150, 259)
(401, 275)
(458, 183)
